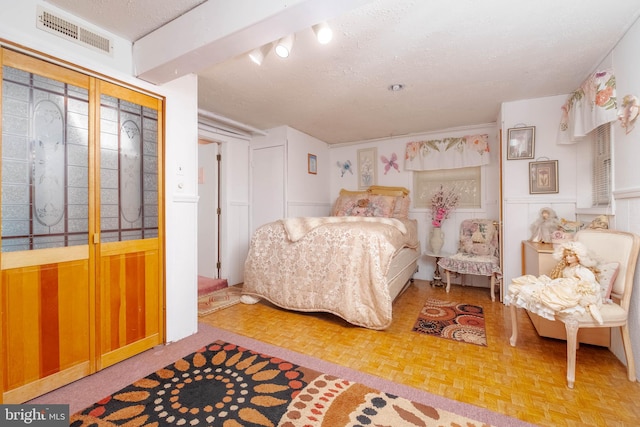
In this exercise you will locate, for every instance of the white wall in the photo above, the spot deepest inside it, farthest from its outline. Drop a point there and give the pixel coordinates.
(626, 177)
(307, 194)
(18, 25)
(292, 191)
(386, 147)
(574, 168)
(521, 209)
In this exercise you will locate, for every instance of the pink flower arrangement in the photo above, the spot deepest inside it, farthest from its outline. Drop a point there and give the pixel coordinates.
(442, 203)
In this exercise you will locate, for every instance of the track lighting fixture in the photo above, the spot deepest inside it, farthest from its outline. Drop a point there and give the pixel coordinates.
(323, 32)
(283, 48)
(257, 55)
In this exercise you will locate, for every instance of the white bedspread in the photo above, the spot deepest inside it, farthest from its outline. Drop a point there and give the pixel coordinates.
(333, 264)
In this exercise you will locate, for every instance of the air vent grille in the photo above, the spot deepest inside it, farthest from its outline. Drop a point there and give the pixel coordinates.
(53, 24)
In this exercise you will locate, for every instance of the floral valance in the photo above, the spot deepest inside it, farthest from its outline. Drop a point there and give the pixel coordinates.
(447, 153)
(591, 105)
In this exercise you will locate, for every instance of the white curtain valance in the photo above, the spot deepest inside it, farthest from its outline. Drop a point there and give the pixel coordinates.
(447, 153)
(591, 105)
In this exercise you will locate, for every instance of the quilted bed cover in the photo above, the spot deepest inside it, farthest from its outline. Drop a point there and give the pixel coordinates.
(330, 264)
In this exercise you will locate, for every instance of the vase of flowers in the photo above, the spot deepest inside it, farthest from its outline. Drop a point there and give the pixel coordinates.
(443, 202)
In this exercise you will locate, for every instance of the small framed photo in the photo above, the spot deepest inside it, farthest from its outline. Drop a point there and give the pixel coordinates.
(312, 163)
(521, 143)
(543, 177)
(367, 168)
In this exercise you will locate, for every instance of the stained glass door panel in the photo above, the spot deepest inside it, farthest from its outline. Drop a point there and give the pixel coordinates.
(46, 299)
(130, 278)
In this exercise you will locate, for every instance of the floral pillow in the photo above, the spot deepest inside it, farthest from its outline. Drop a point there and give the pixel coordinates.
(346, 201)
(477, 237)
(373, 206)
(607, 277)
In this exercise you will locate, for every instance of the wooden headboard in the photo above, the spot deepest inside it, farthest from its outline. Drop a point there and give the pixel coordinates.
(378, 189)
(388, 191)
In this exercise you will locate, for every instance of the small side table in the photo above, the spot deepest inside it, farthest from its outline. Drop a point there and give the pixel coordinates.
(437, 278)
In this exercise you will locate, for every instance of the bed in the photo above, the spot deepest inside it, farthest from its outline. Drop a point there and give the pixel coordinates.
(352, 264)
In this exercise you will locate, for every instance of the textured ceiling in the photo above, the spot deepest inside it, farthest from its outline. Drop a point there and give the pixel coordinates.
(458, 60)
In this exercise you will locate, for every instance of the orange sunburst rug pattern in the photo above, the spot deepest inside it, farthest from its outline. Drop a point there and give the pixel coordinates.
(223, 384)
(452, 320)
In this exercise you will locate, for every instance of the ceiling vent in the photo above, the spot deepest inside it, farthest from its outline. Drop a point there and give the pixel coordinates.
(53, 24)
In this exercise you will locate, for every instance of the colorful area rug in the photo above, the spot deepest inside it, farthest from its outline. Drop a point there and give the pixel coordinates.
(223, 384)
(219, 299)
(452, 320)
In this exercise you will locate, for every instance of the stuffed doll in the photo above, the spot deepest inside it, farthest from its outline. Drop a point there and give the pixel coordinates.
(544, 226)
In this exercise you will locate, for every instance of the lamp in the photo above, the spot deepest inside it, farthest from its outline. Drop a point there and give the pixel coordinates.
(283, 48)
(323, 32)
(257, 55)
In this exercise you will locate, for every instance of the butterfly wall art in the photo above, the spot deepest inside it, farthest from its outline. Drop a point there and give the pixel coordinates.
(390, 163)
(345, 167)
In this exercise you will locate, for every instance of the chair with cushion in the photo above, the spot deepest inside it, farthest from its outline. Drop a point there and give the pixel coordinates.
(478, 252)
(609, 247)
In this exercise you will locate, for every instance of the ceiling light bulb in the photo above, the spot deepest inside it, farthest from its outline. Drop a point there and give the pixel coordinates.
(283, 48)
(257, 55)
(323, 32)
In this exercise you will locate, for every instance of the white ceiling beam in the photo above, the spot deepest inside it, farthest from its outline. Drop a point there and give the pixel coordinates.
(220, 29)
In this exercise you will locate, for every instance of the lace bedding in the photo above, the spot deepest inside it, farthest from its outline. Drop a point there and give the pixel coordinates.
(332, 264)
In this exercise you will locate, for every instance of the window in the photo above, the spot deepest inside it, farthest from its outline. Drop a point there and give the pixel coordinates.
(465, 181)
(601, 169)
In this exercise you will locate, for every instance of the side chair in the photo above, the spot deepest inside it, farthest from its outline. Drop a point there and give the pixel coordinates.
(607, 246)
(478, 252)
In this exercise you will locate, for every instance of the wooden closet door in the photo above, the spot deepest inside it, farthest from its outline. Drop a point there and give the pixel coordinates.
(130, 271)
(46, 281)
(82, 259)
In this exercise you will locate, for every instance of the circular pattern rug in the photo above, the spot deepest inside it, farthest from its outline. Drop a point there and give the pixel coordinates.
(452, 320)
(223, 384)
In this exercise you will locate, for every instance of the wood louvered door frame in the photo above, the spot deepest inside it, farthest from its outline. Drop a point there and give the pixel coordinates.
(82, 268)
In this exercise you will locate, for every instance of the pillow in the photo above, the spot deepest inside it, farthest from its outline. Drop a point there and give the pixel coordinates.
(607, 277)
(374, 206)
(480, 231)
(382, 206)
(401, 210)
(345, 201)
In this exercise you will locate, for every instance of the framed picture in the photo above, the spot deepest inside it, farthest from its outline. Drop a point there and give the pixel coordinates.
(543, 177)
(367, 174)
(521, 143)
(312, 163)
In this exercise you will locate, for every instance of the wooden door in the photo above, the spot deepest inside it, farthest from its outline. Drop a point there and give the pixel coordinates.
(46, 295)
(76, 294)
(130, 300)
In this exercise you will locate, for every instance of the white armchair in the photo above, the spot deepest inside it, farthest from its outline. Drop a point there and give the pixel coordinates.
(607, 246)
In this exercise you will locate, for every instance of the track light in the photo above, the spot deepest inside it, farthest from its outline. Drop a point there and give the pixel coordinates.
(283, 48)
(257, 55)
(323, 32)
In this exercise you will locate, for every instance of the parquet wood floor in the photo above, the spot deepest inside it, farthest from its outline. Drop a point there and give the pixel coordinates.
(527, 382)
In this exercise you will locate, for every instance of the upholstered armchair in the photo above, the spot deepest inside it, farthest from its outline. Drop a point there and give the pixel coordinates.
(608, 247)
(478, 252)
